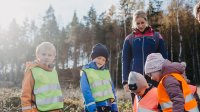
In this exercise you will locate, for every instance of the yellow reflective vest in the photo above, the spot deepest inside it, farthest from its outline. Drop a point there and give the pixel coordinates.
(100, 84)
(47, 91)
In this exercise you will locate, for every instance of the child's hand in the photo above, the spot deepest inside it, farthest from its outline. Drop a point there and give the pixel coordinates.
(126, 88)
(28, 64)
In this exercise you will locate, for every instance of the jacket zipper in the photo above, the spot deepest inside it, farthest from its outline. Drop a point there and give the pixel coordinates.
(143, 54)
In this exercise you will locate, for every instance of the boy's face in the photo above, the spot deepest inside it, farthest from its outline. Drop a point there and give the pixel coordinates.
(46, 57)
(155, 76)
(100, 61)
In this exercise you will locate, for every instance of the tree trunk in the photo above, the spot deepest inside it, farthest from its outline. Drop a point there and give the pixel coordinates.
(197, 50)
(180, 35)
(75, 57)
(110, 62)
(117, 59)
(125, 25)
(171, 35)
(193, 60)
(5, 72)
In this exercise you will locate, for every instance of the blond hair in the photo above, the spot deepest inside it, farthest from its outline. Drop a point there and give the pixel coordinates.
(45, 46)
(196, 8)
(137, 14)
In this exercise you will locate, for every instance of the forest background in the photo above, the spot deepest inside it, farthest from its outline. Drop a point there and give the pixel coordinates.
(74, 41)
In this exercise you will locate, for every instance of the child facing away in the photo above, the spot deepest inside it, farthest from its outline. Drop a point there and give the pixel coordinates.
(96, 84)
(174, 94)
(40, 88)
(146, 96)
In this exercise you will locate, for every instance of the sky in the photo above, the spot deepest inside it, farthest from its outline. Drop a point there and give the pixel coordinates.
(35, 9)
(64, 9)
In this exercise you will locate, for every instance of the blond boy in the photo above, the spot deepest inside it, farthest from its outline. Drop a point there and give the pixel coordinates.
(40, 88)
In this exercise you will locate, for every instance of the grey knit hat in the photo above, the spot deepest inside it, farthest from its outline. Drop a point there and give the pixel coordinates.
(136, 82)
(154, 62)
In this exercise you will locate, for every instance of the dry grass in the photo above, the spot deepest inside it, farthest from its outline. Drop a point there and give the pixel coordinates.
(10, 101)
(124, 101)
(74, 103)
(73, 100)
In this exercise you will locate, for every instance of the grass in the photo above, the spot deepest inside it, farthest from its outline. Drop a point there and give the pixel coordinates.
(10, 100)
(74, 103)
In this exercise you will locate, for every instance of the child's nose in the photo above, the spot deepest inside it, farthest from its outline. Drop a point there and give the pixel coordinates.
(140, 25)
(46, 57)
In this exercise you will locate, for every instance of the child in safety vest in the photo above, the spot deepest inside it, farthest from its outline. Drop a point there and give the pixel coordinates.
(146, 97)
(174, 94)
(96, 84)
(41, 90)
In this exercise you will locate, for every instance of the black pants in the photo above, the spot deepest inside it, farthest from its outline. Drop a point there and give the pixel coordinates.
(103, 109)
(132, 97)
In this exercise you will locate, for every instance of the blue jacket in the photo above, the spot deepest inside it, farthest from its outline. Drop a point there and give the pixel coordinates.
(89, 102)
(134, 52)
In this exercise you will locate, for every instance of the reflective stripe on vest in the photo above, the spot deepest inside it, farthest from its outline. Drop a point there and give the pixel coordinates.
(169, 104)
(102, 93)
(47, 88)
(149, 102)
(47, 101)
(90, 104)
(166, 105)
(47, 91)
(165, 102)
(100, 84)
(114, 103)
(188, 98)
(28, 108)
(140, 109)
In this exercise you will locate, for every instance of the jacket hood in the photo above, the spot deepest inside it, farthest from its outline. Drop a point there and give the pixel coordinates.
(147, 30)
(93, 65)
(172, 67)
(35, 63)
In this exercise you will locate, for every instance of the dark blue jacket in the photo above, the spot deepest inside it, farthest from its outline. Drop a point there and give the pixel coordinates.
(134, 52)
(89, 102)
